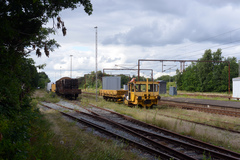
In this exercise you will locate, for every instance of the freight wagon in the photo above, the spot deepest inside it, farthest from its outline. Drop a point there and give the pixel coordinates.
(68, 88)
(112, 89)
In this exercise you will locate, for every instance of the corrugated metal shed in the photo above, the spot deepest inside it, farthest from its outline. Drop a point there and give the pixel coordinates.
(162, 87)
(236, 87)
(111, 83)
(172, 91)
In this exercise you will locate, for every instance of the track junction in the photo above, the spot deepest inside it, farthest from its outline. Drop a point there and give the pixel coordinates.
(154, 140)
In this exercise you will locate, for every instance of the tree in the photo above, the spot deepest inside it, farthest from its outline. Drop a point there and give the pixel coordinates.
(208, 76)
(166, 78)
(42, 79)
(22, 21)
(205, 71)
(21, 32)
(124, 79)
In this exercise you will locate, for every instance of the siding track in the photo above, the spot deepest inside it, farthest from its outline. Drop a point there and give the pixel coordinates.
(161, 142)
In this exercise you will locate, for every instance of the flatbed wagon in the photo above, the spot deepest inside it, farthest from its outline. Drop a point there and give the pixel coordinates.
(113, 95)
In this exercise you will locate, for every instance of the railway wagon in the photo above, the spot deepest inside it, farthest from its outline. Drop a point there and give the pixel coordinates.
(68, 88)
(113, 95)
(142, 93)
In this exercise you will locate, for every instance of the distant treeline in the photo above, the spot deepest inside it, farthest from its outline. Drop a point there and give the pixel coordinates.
(208, 76)
(89, 80)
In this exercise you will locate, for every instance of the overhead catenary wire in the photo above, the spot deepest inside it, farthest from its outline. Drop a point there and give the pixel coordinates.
(203, 49)
(190, 53)
(210, 48)
(194, 43)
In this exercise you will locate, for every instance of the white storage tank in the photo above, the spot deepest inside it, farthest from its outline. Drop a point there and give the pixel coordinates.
(111, 83)
(236, 87)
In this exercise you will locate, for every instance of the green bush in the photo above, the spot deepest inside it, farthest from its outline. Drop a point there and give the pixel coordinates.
(16, 132)
(171, 84)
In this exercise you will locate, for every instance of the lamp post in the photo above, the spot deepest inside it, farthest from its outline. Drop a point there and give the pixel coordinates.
(96, 62)
(71, 67)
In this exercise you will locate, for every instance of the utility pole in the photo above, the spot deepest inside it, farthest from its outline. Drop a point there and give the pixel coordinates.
(96, 62)
(60, 72)
(71, 67)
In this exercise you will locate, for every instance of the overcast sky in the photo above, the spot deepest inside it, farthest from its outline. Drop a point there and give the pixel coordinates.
(129, 30)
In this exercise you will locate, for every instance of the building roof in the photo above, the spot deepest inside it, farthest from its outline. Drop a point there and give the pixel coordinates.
(236, 79)
(161, 81)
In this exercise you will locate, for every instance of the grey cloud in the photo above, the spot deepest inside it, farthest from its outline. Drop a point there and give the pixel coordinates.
(145, 35)
(220, 3)
(108, 60)
(200, 23)
(171, 7)
(156, 35)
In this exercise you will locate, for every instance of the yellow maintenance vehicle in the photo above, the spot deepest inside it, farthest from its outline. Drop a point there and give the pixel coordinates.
(53, 87)
(142, 93)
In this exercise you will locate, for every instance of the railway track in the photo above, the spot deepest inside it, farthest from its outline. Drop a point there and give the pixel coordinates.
(159, 142)
(204, 124)
(215, 109)
(206, 95)
(87, 119)
(204, 108)
(235, 112)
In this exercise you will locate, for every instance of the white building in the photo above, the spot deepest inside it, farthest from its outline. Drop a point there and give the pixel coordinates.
(236, 87)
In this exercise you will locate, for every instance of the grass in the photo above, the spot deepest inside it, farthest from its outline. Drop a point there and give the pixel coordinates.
(196, 97)
(203, 133)
(71, 142)
(152, 116)
(201, 117)
(56, 138)
(90, 90)
(201, 95)
(42, 95)
(208, 93)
